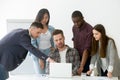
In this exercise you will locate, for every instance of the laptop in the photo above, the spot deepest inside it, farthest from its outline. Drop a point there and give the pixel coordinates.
(60, 70)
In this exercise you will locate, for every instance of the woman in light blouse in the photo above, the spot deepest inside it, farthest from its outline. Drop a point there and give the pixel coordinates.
(44, 42)
(104, 54)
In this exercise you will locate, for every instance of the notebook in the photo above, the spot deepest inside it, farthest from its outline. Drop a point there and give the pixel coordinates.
(60, 70)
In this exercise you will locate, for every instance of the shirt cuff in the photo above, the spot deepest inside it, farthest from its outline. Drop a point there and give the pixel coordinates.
(47, 60)
(110, 68)
(91, 66)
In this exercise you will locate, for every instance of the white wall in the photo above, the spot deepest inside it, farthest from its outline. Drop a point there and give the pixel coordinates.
(106, 12)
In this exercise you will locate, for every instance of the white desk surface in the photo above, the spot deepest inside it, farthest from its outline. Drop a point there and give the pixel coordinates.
(44, 77)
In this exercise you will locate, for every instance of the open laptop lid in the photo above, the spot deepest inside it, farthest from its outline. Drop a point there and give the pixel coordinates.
(63, 70)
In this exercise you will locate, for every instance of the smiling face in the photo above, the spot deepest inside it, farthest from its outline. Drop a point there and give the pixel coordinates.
(45, 19)
(96, 35)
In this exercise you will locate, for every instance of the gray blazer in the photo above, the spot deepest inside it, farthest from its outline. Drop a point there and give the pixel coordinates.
(111, 57)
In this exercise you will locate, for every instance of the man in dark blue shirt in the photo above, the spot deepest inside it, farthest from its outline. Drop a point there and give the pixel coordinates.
(15, 46)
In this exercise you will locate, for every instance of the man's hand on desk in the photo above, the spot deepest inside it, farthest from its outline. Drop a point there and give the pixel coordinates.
(80, 70)
(42, 66)
(109, 74)
(50, 60)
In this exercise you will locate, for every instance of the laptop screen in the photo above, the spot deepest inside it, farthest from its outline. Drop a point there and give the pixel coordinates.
(60, 70)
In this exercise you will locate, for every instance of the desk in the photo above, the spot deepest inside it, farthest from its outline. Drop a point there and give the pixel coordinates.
(44, 77)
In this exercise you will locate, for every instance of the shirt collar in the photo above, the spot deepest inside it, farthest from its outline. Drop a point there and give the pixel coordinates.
(82, 26)
(56, 49)
(30, 35)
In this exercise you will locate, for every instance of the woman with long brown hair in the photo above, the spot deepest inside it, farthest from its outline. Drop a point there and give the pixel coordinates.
(104, 54)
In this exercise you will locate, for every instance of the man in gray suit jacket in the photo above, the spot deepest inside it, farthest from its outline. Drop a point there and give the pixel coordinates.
(15, 46)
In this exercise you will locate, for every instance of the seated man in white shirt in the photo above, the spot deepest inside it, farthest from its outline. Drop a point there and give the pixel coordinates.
(63, 53)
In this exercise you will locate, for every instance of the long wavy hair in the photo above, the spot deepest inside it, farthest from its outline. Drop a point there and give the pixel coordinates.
(40, 15)
(103, 41)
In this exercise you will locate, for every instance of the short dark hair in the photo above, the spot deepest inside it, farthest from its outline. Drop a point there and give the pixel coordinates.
(77, 14)
(57, 31)
(37, 25)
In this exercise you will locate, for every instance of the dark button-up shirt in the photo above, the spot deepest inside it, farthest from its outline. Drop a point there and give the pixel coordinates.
(82, 37)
